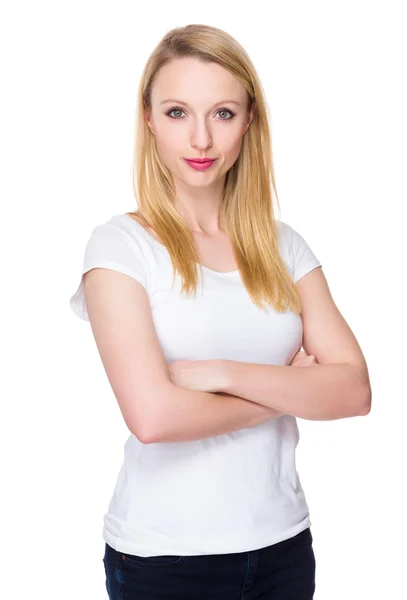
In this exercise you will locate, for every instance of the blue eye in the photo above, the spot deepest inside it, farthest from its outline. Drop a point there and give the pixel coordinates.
(220, 110)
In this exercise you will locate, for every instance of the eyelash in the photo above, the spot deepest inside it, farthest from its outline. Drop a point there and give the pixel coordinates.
(219, 110)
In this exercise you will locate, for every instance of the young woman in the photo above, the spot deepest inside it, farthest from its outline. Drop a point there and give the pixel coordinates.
(199, 303)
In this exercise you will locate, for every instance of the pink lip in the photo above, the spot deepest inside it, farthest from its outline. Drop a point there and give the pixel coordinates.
(200, 165)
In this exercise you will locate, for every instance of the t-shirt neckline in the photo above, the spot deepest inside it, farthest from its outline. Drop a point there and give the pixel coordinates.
(158, 244)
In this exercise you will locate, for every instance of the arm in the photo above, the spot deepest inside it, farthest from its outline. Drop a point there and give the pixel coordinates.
(326, 392)
(339, 385)
(193, 415)
(153, 408)
(212, 417)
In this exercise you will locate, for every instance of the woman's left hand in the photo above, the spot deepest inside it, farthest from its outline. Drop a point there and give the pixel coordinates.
(200, 375)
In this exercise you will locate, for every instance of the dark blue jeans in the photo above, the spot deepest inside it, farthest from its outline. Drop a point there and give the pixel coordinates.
(283, 571)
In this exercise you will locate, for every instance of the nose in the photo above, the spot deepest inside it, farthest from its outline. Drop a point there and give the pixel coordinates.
(200, 135)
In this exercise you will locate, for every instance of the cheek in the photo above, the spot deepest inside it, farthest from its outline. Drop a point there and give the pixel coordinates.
(230, 138)
(233, 149)
(168, 146)
(170, 135)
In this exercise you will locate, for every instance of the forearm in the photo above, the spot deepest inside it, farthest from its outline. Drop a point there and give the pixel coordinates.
(318, 393)
(189, 415)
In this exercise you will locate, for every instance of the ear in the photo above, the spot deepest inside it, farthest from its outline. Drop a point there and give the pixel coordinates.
(147, 119)
(250, 117)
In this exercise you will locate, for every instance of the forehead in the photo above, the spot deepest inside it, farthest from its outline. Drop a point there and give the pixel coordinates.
(195, 82)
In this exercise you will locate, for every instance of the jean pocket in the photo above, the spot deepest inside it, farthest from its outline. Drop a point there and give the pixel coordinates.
(149, 561)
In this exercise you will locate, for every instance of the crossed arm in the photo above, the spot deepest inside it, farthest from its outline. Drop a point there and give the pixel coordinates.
(337, 388)
(331, 391)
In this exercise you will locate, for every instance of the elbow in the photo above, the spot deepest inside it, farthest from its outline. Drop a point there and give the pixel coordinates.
(150, 435)
(147, 434)
(145, 438)
(156, 419)
(143, 435)
(362, 391)
(365, 403)
(143, 429)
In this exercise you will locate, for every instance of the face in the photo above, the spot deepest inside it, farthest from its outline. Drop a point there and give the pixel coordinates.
(206, 118)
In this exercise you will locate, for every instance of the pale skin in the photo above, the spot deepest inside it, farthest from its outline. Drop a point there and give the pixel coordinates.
(212, 375)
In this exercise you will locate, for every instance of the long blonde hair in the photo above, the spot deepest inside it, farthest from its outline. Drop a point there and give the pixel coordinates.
(247, 210)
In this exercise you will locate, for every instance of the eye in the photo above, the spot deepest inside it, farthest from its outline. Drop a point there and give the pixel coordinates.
(172, 110)
(227, 110)
(220, 110)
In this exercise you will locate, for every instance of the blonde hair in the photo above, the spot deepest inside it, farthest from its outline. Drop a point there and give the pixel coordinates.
(246, 212)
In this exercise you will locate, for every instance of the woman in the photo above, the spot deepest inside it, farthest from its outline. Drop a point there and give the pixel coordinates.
(208, 502)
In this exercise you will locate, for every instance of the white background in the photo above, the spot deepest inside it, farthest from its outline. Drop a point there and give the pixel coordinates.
(334, 74)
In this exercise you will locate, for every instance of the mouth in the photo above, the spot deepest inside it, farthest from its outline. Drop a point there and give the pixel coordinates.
(200, 164)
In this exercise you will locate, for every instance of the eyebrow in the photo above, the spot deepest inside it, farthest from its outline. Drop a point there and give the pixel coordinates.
(186, 104)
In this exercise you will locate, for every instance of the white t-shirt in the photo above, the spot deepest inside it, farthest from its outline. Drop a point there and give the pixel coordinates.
(234, 492)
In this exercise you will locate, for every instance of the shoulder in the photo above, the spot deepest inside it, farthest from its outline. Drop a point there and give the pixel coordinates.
(291, 237)
(284, 235)
(285, 230)
(115, 246)
(119, 230)
(117, 242)
(298, 253)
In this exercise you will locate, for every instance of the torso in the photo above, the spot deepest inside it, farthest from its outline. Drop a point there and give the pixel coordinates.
(215, 253)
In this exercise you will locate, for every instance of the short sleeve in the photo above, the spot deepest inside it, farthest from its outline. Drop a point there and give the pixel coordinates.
(111, 248)
(303, 259)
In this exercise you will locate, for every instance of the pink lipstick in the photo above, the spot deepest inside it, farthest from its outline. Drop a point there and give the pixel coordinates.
(200, 164)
